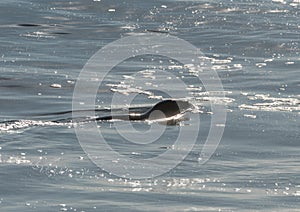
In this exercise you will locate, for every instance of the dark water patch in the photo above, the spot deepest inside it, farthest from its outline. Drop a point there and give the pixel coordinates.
(13, 86)
(29, 25)
(60, 33)
(5, 78)
(157, 31)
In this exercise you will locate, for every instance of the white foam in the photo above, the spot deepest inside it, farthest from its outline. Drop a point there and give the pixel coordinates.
(277, 11)
(250, 116)
(55, 85)
(265, 102)
(279, 1)
(38, 34)
(14, 126)
(289, 62)
(18, 160)
(260, 65)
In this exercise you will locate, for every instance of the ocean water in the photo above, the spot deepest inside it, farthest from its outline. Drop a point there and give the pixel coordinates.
(252, 45)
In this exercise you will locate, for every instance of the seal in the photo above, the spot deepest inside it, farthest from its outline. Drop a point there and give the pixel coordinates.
(163, 109)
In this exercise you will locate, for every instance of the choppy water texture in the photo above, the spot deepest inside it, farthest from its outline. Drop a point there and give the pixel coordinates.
(254, 47)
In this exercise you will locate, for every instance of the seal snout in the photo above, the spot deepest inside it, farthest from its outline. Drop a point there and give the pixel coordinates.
(167, 108)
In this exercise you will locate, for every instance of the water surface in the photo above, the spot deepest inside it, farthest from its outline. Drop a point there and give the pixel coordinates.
(253, 46)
